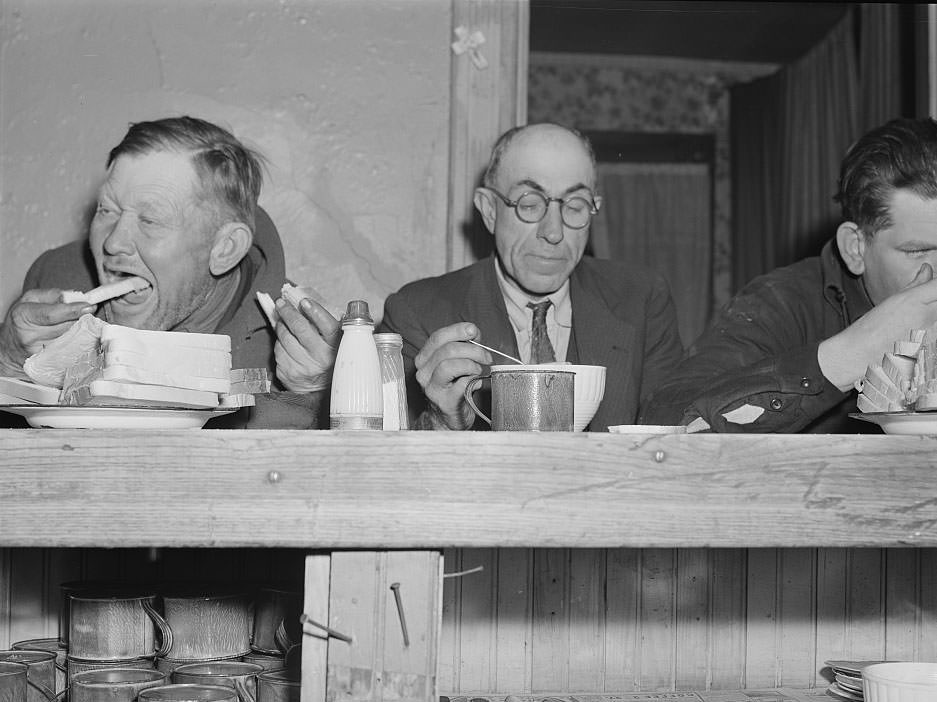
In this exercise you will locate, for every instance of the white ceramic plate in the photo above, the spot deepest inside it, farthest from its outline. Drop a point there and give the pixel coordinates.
(646, 429)
(839, 693)
(68, 417)
(901, 422)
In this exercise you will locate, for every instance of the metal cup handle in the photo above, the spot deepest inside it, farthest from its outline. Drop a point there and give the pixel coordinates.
(165, 631)
(282, 637)
(46, 692)
(469, 389)
(244, 692)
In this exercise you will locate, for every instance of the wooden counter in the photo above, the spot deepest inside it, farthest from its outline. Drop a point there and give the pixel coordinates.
(339, 490)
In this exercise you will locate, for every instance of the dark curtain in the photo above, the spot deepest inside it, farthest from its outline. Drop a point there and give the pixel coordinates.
(658, 215)
(789, 132)
(755, 147)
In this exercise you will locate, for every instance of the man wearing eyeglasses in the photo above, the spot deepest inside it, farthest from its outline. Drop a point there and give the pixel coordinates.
(537, 297)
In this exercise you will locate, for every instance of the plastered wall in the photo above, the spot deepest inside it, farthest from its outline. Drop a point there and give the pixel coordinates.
(348, 100)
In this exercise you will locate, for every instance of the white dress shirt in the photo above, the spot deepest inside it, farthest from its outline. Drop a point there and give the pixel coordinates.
(559, 315)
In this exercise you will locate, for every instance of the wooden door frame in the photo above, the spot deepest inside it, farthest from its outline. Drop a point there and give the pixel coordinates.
(484, 102)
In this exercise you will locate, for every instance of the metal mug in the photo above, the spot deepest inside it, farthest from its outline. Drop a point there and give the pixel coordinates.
(234, 674)
(168, 665)
(527, 398)
(188, 693)
(207, 622)
(52, 646)
(266, 661)
(12, 682)
(115, 627)
(113, 684)
(276, 620)
(279, 686)
(40, 672)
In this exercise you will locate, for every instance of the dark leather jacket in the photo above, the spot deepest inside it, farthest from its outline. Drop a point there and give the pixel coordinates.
(761, 350)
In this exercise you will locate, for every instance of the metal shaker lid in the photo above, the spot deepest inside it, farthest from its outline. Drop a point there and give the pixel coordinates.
(357, 313)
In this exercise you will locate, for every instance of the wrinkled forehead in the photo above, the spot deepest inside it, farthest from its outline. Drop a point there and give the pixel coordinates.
(167, 169)
(553, 158)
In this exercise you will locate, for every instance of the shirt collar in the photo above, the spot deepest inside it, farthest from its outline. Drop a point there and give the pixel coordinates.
(516, 301)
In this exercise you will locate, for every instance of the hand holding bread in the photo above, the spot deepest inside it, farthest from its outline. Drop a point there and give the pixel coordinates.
(32, 322)
(843, 358)
(307, 339)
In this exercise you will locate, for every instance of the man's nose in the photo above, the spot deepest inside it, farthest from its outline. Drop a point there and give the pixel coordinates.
(551, 226)
(120, 239)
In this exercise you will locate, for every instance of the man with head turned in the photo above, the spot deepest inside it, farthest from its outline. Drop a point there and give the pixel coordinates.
(786, 352)
(537, 199)
(178, 208)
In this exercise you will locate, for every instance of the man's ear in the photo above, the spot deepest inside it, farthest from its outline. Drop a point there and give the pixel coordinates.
(852, 244)
(231, 243)
(485, 204)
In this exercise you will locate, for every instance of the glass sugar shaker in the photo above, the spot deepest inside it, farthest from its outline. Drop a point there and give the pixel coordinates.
(356, 400)
(390, 351)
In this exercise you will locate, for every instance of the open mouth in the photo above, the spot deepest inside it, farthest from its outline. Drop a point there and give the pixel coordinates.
(133, 296)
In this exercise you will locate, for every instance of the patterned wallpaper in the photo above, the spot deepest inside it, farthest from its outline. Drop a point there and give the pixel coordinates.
(648, 94)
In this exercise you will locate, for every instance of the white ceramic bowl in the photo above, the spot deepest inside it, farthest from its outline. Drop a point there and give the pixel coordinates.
(900, 682)
(590, 389)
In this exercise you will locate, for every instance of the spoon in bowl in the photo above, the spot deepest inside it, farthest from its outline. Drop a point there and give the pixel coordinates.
(500, 353)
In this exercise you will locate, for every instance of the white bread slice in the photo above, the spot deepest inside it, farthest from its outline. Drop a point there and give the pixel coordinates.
(878, 399)
(864, 404)
(26, 391)
(143, 376)
(898, 368)
(106, 292)
(156, 341)
(269, 308)
(907, 348)
(925, 402)
(108, 392)
(295, 294)
(203, 363)
(876, 378)
(241, 399)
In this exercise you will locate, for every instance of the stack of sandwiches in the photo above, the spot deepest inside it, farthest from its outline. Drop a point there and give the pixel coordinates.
(101, 364)
(905, 380)
(137, 367)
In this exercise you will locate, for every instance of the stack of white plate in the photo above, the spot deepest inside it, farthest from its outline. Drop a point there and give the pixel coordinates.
(847, 682)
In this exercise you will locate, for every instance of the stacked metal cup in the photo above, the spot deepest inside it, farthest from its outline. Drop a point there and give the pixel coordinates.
(53, 646)
(276, 629)
(40, 673)
(206, 623)
(111, 626)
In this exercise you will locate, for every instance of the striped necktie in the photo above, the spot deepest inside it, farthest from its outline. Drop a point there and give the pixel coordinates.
(541, 350)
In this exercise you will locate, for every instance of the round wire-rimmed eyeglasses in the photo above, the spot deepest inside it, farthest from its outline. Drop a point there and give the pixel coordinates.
(531, 207)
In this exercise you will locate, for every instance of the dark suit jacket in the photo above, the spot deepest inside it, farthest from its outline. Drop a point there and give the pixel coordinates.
(623, 319)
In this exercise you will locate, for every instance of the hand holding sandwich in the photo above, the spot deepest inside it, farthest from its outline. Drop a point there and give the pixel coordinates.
(843, 358)
(35, 319)
(307, 341)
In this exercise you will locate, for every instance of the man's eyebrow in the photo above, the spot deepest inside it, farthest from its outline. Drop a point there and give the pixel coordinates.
(578, 186)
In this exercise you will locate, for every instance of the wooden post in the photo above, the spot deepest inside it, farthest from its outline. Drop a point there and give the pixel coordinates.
(384, 610)
(484, 102)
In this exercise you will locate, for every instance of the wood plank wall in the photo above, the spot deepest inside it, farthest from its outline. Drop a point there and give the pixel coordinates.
(620, 620)
(614, 620)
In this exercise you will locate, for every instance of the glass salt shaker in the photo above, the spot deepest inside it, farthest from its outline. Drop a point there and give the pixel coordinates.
(356, 400)
(390, 351)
